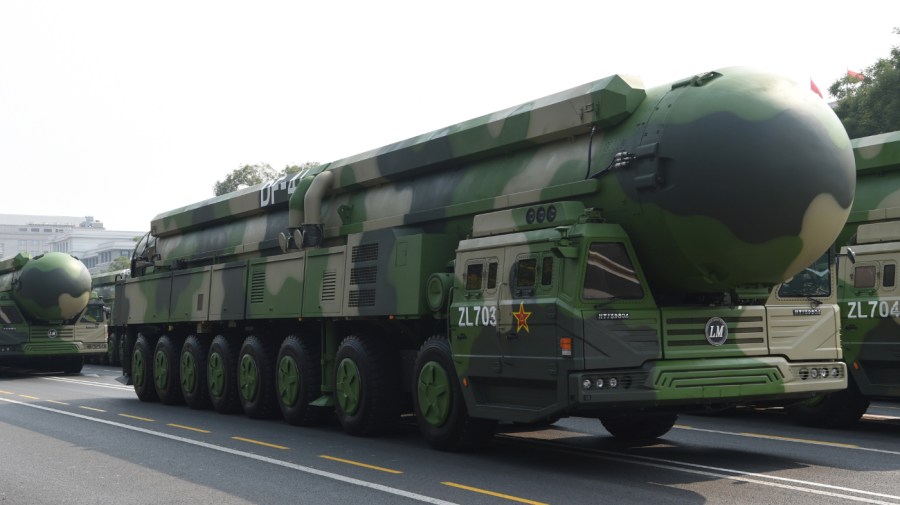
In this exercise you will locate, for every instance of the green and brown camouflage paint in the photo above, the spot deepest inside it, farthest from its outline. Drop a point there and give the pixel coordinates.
(713, 189)
(46, 311)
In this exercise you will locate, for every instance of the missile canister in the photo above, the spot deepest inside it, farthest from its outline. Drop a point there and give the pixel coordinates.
(733, 178)
(51, 287)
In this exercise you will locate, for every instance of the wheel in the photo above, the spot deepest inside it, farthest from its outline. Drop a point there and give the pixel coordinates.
(841, 409)
(112, 350)
(192, 370)
(639, 427)
(366, 381)
(72, 364)
(439, 405)
(142, 369)
(122, 349)
(221, 376)
(256, 379)
(298, 379)
(165, 371)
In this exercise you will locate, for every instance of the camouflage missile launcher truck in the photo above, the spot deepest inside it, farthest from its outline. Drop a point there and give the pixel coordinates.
(49, 320)
(104, 286)
(606, 251)
(867, 289)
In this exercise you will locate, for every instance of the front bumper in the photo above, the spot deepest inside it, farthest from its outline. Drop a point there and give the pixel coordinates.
(726, 381)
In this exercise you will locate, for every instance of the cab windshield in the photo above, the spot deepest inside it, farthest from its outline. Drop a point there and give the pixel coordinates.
(610, 274)
(814, 280)
(93, 314)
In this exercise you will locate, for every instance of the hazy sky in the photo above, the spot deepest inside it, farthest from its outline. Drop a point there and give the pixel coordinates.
(123, 110)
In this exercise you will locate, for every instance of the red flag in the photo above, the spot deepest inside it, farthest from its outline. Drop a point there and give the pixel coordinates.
(855, 75)
(815, 88)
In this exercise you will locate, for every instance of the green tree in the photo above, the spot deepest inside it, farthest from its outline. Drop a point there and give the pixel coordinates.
(250, 175)
(119, 263)
(293, 169)
(245, 176)
(872, 105)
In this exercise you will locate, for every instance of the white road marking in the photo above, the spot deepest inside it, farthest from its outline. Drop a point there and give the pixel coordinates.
(234, 452)
(90, 383)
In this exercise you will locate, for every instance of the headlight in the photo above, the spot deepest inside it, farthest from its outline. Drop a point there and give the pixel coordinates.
(824, 373)
(613, 382)
(835, 372)
(586, 384)
(814, 373)
(599, 383)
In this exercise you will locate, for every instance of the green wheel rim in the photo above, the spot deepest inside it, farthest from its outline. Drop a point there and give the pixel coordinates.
(288, 381)
(434, 394)
(161, 370)
(248, 379)
(348, 386)
(137, 368)
(216, 374)
(188, 372)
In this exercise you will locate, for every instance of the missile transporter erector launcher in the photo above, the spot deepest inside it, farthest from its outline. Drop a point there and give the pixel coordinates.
(48, 317)
(104, 288)
(867, 288)
(606, 251)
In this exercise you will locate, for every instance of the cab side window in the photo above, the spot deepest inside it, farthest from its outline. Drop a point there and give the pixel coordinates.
(474, 276)
(889, 275)
(864, 276)
(547, 271)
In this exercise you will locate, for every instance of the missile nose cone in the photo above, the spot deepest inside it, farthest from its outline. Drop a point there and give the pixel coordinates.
(755, 175)
(53, 286)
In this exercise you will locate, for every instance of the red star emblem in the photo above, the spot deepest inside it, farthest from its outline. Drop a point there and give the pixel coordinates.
(522, 318)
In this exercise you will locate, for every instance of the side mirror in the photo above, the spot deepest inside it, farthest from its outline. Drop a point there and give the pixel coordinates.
(849, 254)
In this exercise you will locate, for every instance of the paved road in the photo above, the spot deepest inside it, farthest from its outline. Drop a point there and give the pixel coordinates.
(87, 439)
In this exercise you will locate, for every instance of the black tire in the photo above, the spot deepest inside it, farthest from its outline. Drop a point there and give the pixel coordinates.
(439, 404)
(256, 379)
(166, 377)
(192, 372)
(112, 350)
(122, 350)
(367, 392)
(841, 409)
(298, 377)
(639, 427)
(142, 369)
(72, 365)
(221, 376)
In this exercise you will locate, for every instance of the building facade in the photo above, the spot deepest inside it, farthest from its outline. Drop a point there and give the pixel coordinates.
(82, 237)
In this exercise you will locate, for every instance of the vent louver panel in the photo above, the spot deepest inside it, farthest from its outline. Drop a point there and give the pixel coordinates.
(329, 286)
(258, 287)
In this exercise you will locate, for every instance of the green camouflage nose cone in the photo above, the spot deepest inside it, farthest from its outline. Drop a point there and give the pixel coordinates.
(53, 287)
(741, 178)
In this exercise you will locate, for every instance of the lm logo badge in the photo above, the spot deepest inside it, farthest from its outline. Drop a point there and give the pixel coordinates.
(52, 333)
(716, 331)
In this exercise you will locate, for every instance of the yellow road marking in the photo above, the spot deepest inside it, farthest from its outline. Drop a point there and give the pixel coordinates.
(90, 408)
(491, 493)
(800, 440)
(357, 463)
(7, 392)
(30, 397)
(257, 442)
(137, 417)
(188, 428)
(56, 402)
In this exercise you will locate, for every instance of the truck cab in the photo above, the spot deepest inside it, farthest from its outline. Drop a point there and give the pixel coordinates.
(552, 315)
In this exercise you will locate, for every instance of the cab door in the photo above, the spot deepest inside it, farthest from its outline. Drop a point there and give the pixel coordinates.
(473, 315)
(622, 329)
(527, 313)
